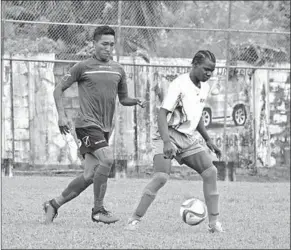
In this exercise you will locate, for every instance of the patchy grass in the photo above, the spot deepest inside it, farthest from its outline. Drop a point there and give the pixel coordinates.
(254, 215)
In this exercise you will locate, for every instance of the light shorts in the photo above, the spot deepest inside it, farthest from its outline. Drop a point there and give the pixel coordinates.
(185, 145)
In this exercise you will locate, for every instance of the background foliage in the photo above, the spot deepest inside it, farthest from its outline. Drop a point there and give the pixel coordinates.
(71, 39)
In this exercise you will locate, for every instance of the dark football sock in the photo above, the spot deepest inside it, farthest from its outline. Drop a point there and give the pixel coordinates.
(77, 186)
(100, 186)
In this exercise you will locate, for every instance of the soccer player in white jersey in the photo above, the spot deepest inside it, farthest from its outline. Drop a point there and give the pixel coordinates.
(179, 116)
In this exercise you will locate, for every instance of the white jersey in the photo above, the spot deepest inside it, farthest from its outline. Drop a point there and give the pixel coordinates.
(185, 101)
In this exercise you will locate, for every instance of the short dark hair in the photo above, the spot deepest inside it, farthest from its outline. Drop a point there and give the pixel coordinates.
(103, 30)
(201, 55)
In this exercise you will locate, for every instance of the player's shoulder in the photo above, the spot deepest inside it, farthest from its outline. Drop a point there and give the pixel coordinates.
(88, 61)
(181, 79)
(82, 63)
(115, 64)
(183, 76)
(206, 85)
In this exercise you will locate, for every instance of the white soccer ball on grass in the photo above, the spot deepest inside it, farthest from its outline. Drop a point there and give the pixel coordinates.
(193, 211)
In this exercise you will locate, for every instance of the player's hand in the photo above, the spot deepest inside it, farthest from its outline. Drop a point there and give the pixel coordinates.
(64, 125)
(214, 148)
(140, 103)
(169, 150)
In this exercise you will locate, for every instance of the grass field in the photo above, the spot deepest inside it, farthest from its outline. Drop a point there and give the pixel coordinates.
(254, 215)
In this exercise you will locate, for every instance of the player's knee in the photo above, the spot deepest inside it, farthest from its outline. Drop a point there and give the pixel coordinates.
(107, 162)
(150, 193)
(157, 182)
(108, 157)
(162, 165)
(209, 174)
(160, 179)
(88, 176)
(103, 170)
(90, 165)
(105, 157)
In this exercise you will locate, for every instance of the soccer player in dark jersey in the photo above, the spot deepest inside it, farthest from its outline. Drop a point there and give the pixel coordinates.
(99, 80)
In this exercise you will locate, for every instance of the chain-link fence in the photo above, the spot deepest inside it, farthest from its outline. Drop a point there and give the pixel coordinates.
(162, 35)
(160, 28)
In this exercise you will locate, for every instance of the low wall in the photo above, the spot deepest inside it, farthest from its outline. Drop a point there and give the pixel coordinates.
(37, 141)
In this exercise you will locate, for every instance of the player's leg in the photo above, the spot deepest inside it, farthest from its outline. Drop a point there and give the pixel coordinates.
(75, 187)
(161, 175)
(202, 163)
(105, 162)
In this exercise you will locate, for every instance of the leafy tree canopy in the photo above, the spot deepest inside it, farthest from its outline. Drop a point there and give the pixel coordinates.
(71, 39)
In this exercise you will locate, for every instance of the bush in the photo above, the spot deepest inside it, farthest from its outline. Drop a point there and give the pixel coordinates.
(27, 45)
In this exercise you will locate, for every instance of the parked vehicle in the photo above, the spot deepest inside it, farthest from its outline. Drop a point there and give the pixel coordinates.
(236, 102)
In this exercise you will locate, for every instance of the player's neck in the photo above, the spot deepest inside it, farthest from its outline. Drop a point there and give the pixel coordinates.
(99, 59)
(195, 80)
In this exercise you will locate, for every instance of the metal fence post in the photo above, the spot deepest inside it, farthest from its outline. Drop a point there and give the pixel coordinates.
(116, 121)
(268, 118)
(135, 118)
(118, 44)
(1, 88)
(254, 125)
(226, 83)
(12, 110)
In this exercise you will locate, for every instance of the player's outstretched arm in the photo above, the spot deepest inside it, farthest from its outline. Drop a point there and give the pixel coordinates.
(123, 97)
(127, 101)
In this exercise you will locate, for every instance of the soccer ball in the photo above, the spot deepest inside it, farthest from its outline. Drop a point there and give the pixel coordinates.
(193, 211)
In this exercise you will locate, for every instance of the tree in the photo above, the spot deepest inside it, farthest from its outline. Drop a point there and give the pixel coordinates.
(183, 43)
(254, 15)
(270, 15)
(263, 16)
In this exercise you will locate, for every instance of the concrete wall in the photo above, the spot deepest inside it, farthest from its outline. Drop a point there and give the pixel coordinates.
(37, 141)
(272, 115)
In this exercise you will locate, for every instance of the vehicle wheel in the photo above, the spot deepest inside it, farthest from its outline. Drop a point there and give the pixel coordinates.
(239, 115)
(206, 117)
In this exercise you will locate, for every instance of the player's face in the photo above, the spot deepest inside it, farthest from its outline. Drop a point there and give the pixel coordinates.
(104, 47)
(204, 70)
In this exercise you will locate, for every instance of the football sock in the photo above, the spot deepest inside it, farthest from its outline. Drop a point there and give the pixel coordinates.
(77, 186)
(211, 194)
(149, 194)
(146, 200)
(100, 186)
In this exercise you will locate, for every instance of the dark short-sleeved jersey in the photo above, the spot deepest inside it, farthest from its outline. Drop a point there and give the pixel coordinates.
(98, 84)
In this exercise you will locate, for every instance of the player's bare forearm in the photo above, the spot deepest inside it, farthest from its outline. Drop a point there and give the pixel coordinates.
(163, 125)
(202, 130)
(127, 101)
(59, 101)
(58, 92)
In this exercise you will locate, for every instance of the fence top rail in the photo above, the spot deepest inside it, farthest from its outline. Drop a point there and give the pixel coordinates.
(142, 65)
(150, 27)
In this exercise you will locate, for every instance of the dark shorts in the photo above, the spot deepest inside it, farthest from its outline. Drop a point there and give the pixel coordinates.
(91, 139)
